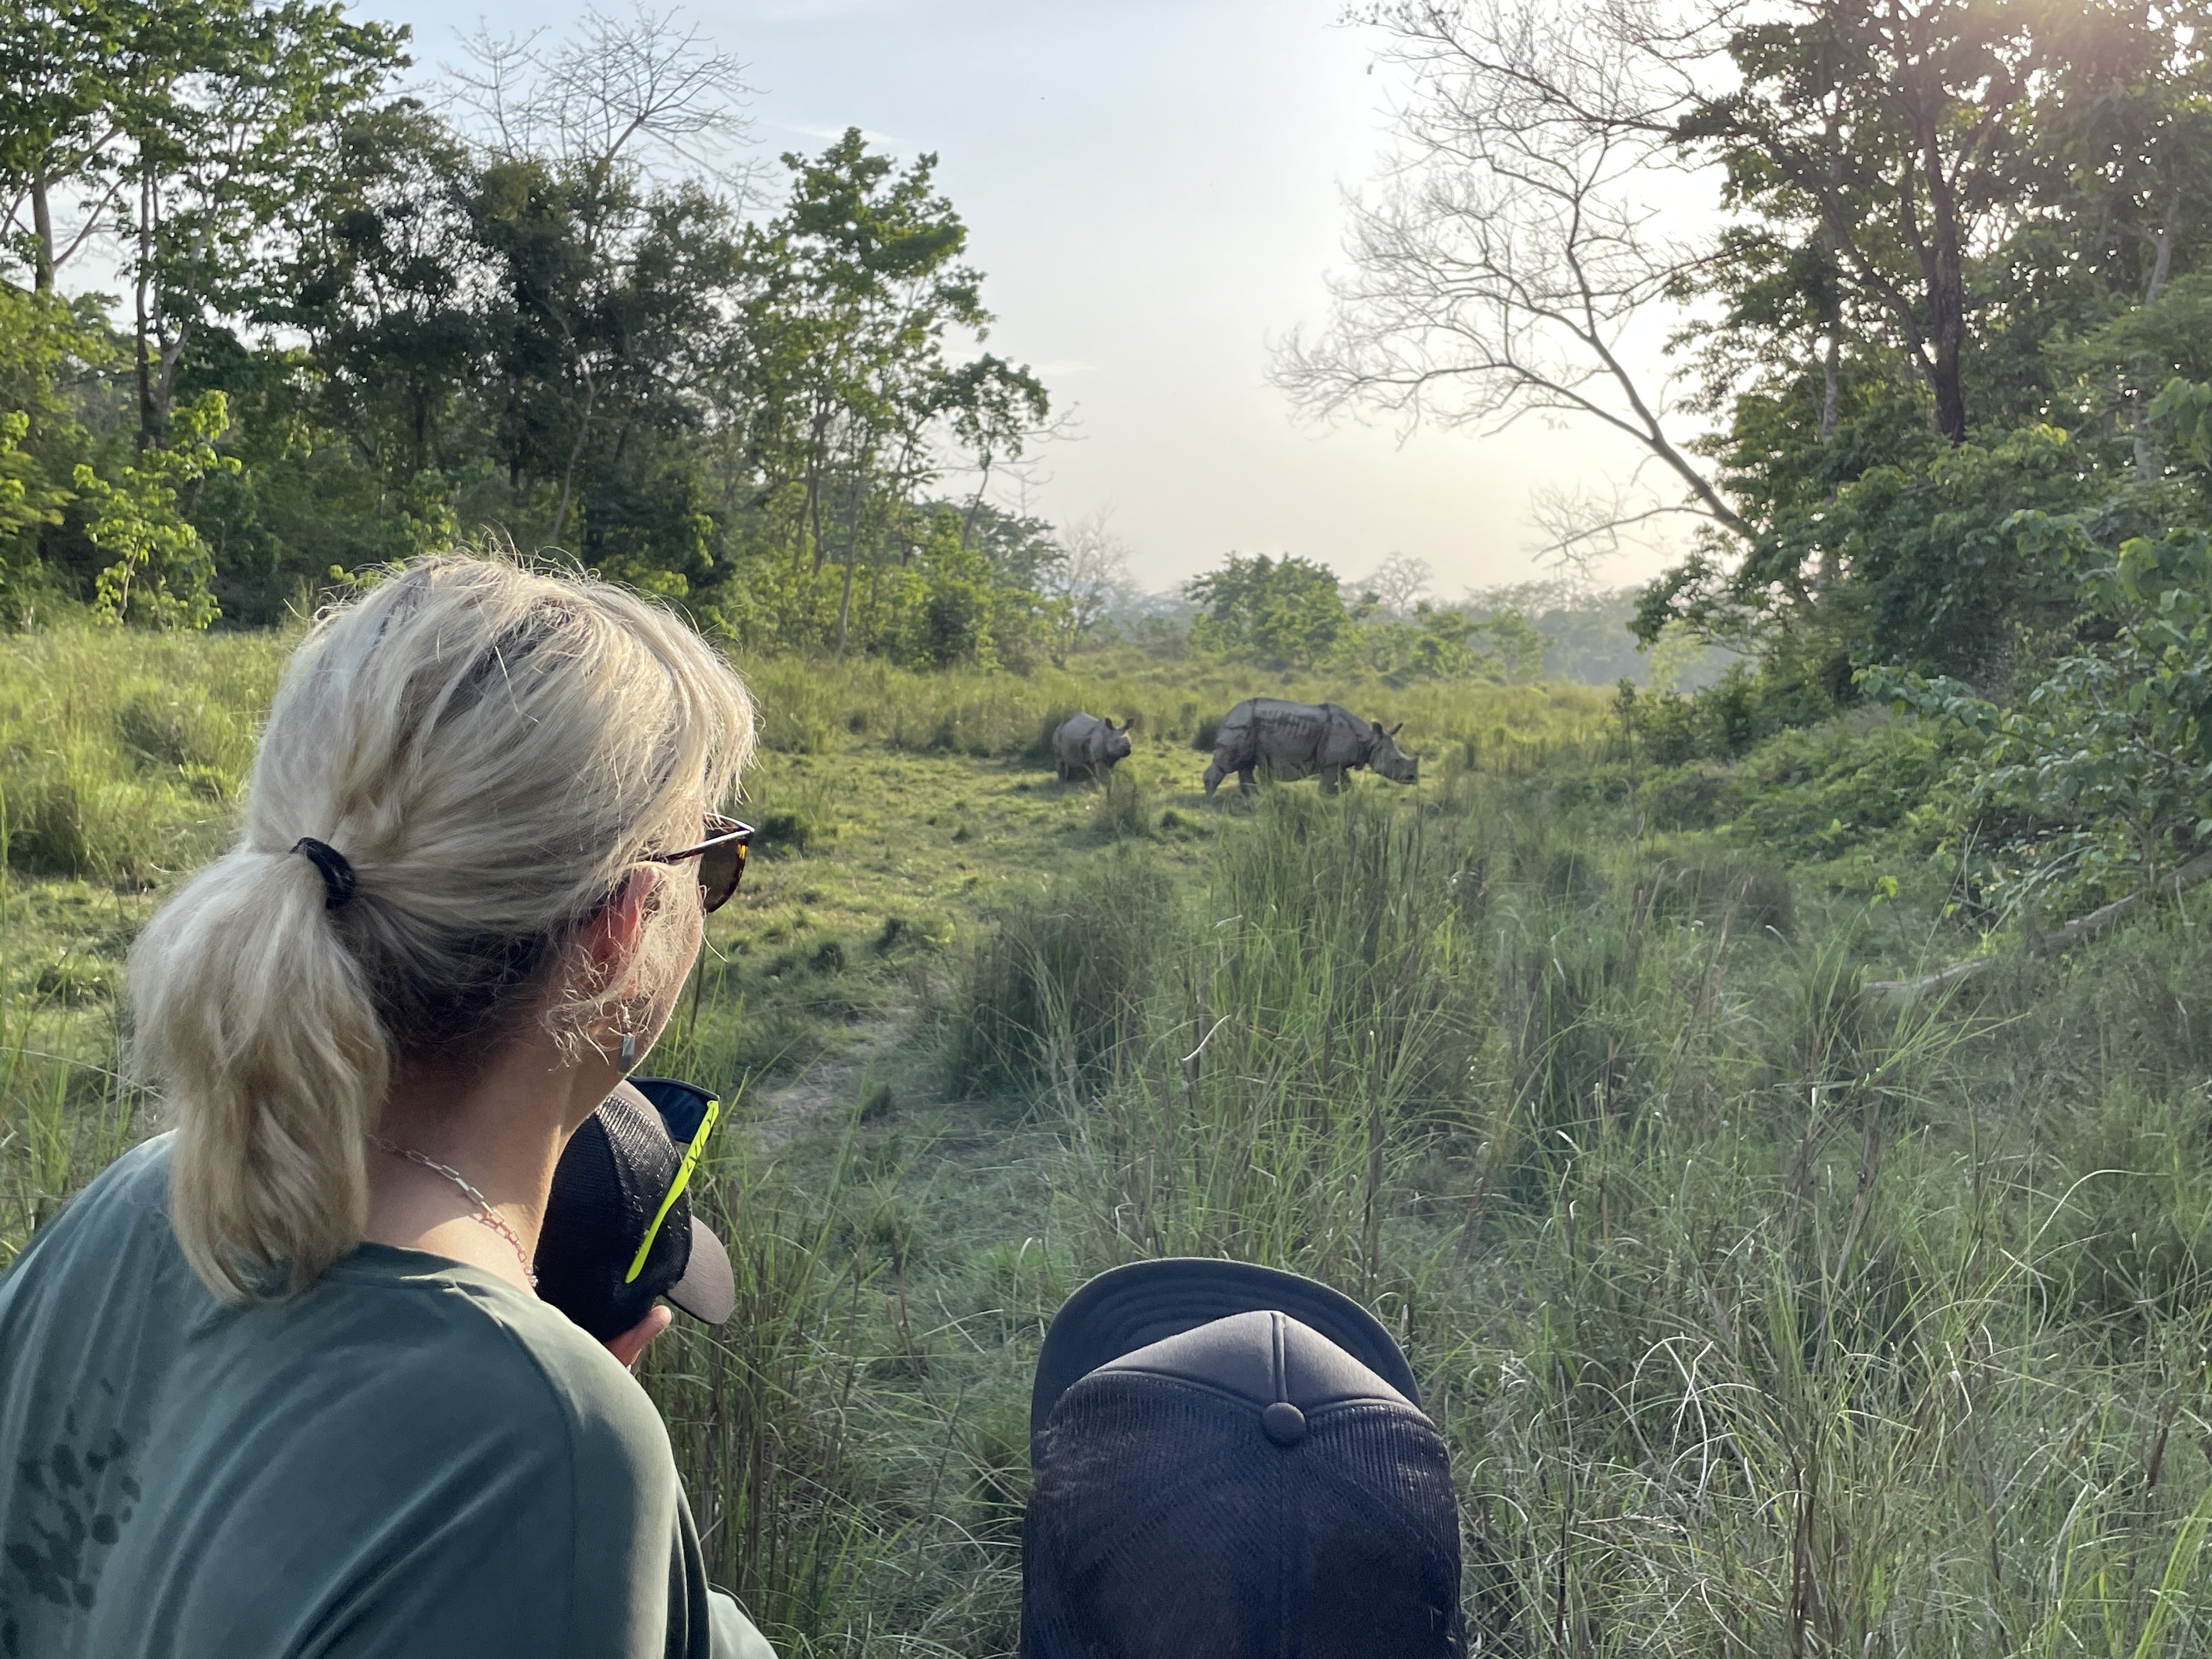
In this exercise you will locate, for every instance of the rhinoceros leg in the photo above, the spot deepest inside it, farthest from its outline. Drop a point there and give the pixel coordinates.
(1245, 782)
(1332, 779)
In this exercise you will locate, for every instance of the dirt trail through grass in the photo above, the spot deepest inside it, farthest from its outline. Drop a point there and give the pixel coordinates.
(837, 1081)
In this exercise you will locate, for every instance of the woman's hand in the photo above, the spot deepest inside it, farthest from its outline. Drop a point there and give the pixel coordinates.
(631, 1343)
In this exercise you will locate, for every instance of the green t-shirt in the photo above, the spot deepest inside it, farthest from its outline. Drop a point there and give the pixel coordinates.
(410, 1460)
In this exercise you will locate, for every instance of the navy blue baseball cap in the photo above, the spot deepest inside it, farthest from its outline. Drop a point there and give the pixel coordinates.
(1233, 1462)
(619, 1230)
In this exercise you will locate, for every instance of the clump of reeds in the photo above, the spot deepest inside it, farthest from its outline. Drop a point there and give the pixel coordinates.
(1059, 985)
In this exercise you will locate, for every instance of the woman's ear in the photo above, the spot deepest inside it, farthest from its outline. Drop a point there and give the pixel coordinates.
(611, 939)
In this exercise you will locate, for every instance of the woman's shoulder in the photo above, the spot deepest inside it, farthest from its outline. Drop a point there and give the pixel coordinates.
(117, 1227)
(497, 1359)
(385, 1333)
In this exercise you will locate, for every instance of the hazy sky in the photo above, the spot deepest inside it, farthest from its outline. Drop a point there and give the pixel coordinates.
(1152, 188)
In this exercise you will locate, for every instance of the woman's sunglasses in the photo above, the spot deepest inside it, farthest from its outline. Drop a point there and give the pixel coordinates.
(721, 859)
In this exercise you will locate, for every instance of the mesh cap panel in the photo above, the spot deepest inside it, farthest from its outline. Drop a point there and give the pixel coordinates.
(1165, 1523)
(610, 1179)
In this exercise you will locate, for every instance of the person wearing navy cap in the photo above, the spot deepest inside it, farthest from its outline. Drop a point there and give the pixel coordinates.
(1231, 1462)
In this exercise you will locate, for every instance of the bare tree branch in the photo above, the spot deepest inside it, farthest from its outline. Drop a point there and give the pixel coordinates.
(1091, 574)
(633, 91)
(1581, 526)
(1519, 248)
(1398, 584)
(2173, 885)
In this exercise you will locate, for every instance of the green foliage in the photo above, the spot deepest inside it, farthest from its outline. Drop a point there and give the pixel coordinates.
(568, 335)
(2101, 772)
(1285, 612)
(1290, 613)
(1963, 257)
(162, 569)
(1442, 643)
(45, 344)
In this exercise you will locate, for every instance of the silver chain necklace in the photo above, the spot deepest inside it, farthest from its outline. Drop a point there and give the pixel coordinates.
(486, 1216)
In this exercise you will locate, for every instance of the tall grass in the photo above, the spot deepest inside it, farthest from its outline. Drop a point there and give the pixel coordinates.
(815, 706)
(119, 753)
(1763, 1319)
(1762, 1322)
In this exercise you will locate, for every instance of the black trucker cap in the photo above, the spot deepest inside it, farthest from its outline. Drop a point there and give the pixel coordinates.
(619, 1230)
(1231, 1462)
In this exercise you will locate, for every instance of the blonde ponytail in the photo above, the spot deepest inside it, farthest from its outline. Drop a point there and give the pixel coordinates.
(491, 751)
(255, 1017)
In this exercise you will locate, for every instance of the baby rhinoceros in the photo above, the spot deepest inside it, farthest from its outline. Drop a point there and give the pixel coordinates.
(1087, 747)
(1299, 739)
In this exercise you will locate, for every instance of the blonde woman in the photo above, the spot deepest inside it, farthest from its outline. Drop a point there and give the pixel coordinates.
(276, 1384)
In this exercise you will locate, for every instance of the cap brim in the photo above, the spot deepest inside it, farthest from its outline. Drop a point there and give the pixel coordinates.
(1132, 1307)
(709, 1290)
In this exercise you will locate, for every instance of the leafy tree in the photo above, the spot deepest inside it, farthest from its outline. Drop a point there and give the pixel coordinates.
(58, 81)
(227, 111)
(163, 571)
(860, 280)
(46, 344)
(1285, 612)
(359, 327)
(2100, 769)
(382, 285)
(1443, 642)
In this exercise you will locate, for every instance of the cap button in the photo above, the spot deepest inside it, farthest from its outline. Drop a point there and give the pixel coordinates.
(1284, 1423)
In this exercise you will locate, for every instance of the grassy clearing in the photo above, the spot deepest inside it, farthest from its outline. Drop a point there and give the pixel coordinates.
(895, 806)
(1762, 1319)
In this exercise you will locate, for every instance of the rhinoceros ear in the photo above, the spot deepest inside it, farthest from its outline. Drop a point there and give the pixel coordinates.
(1394, 730)
(1376, 727)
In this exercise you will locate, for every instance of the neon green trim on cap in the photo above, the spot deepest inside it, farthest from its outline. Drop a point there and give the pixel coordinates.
(675, 1188)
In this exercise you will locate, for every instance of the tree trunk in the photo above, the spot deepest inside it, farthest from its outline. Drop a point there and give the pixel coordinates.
(1831, 302)
(42, 235)
(852, 548)
(144, 276)
(576, 451)
(1831, 381)
(2148, 464)
(976, 504)
(1943, 262)
(845, 603)
(166, 365)
(810, 514)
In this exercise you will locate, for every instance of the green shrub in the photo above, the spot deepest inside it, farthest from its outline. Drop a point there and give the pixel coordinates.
(1060, 982)
(1120, 810)
(1714, 888)
(1040, 750)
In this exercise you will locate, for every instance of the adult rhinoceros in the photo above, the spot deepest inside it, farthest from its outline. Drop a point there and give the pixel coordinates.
(1298, 739)
(1087, 747)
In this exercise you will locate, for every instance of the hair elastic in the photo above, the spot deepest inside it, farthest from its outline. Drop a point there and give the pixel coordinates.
(331, 864)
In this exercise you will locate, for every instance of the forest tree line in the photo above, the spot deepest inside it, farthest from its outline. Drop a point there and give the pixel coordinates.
(1934, 401)
(1904, 306)
(270, 320)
